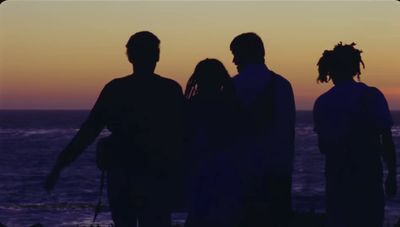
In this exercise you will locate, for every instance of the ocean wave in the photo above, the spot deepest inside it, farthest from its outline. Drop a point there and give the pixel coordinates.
(35, 131)
(41, 131)
(52, 206)
(396, 131)
(303, 130)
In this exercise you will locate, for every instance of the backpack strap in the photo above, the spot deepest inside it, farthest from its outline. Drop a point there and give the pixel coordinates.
(98, 206)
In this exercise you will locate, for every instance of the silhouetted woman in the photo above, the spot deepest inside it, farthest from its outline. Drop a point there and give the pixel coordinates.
(210, 106)
(353, 124)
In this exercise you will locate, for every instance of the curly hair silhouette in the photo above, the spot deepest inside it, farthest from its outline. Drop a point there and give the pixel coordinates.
(343, 62)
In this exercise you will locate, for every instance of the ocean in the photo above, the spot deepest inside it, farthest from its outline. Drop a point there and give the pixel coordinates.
(31, 140)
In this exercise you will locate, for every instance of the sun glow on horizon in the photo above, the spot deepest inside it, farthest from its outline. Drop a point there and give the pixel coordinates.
(59, 55)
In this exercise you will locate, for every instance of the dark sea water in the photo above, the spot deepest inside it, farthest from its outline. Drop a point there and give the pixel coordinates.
(31, 140)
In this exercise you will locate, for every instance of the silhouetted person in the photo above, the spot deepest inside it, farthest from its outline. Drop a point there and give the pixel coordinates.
(353, 124)
(212, 178)
(143, 113)
(266, 138)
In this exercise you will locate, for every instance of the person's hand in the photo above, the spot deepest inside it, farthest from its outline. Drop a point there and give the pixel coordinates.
(51, 180)
(391, 185)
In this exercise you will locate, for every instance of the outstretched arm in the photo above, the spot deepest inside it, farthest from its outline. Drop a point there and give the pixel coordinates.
(389, 157)
(85, 136)
(82, 139)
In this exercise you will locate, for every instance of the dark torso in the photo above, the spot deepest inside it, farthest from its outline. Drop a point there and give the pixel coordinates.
(144, 114)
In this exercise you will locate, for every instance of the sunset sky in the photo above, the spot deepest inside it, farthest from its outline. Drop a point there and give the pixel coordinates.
(59, 54)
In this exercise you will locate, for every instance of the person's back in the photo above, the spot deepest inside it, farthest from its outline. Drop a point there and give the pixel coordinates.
(353, 124)
(143, 112)
(344, 122)
(145, 122)
(265, 124)
(346, 116)
(266, 136)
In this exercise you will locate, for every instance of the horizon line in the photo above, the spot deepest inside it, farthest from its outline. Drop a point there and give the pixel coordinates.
(298, 110)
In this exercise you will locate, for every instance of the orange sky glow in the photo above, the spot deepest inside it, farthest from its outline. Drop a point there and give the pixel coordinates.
(59, 54)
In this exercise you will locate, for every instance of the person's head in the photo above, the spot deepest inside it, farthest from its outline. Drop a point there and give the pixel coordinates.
(143, 50)
(340, 64)
(247, 48)
(210, 77)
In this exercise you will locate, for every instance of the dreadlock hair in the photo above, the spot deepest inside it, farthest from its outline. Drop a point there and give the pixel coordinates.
(340, 63)
(209, 75)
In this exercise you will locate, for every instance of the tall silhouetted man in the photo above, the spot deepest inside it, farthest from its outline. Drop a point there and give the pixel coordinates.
(266, 141)
(143, 113)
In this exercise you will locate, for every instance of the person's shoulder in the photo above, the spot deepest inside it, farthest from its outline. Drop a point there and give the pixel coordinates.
(379, 106)
(374, 91)
(376, 96)
(318, 101)
(326, 95)
(323, 99)
(167, 82)
(280, 79)
(117, 82)
(281, 82)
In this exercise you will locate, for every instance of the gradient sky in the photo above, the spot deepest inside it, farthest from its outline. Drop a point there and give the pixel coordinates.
(59, 54)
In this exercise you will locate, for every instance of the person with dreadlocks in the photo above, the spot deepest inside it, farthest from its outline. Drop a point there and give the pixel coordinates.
(353, 124)
(210, 110)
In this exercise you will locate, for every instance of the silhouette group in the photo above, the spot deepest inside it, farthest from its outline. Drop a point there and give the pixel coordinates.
(223, 150)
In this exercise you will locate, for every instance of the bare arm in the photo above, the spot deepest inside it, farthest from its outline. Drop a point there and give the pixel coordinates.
(88, 132)
(85, 136)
